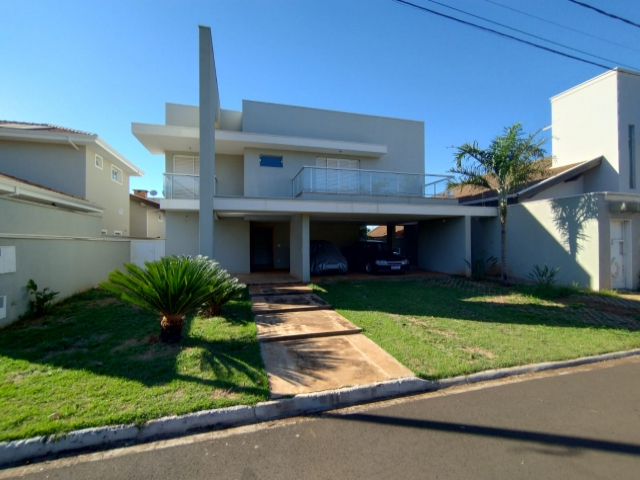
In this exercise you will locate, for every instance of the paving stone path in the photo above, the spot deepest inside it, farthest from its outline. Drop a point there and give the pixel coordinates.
(307, 347)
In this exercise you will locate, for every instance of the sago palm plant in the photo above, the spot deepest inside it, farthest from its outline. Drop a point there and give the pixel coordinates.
(224, 289)
(171, 287)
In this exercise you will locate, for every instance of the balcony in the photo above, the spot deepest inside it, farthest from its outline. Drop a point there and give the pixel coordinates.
(181, 186)
(368, 182)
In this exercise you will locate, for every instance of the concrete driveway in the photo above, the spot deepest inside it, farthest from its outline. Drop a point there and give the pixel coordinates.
(307, 347)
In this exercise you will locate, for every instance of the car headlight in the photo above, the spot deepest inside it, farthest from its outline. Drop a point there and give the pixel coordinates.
(381, 262)
(405, 261)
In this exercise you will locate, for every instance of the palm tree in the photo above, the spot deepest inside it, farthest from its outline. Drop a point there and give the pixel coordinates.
(511, 161)
(172, 287)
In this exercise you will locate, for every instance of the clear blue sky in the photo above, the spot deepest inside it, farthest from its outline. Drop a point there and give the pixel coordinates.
(100, 65)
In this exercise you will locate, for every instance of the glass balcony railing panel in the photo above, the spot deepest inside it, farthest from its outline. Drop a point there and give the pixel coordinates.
(368, 182)
(179, 186)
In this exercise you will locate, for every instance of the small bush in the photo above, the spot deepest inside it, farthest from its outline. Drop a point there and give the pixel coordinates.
(224, 289)
(544, 277)
(40, 302)
(481, 265)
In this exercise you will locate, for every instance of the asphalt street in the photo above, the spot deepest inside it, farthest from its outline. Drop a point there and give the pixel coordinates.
(573, 425)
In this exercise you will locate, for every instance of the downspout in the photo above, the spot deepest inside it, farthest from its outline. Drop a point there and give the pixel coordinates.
(71, 143)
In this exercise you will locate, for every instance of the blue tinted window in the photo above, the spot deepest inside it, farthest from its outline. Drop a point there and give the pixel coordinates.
(269, 161)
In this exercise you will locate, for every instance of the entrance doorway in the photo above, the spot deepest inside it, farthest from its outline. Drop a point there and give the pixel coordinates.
(620, 254)
(261, 248)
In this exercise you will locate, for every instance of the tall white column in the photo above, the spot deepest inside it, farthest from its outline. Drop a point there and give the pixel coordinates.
(208, 109)
(299, 243)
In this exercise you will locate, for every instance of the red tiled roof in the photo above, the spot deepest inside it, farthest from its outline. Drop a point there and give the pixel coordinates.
(39, 127)
(381, 231)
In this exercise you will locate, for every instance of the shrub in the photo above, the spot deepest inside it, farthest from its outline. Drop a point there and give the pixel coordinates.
(543, 277)
(171, 287)
(224, 289)
(40, 302)
(481, 265)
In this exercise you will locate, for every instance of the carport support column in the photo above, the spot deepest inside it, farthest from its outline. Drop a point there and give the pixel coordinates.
(467, 244)
(299, 260)
(391, 235)
(208, 109)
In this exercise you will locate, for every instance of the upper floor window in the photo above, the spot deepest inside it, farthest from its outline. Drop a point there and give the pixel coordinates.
(632, 156)
(337, 163)
(186, 165)
(99, 161)
(270, 161)
(116, 174)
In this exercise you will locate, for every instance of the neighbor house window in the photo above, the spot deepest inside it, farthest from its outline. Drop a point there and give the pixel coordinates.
(104, 232)
(99, 162)
(270, 161)
(632, 156)
(117, 233)
(116, 174)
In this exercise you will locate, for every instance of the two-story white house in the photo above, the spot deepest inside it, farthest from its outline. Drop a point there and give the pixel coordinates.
(252, 188)
(70, 161)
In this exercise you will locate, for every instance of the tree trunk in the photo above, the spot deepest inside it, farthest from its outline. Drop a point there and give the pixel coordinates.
(171, 328)
(214, 310)
(503, 249)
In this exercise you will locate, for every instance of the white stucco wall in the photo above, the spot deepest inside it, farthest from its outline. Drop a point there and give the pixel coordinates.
(585, 126)
(444, 245)
(113, 196)
(628, 114)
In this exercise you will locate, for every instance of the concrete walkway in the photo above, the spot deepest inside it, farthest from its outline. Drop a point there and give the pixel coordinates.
(307, 347)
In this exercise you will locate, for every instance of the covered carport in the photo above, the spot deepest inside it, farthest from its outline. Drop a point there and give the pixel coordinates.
(442, 229)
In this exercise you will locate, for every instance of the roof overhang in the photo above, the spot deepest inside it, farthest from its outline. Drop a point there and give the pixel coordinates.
(24, 191)
(72, 139)
(250, 208)
(159, 139)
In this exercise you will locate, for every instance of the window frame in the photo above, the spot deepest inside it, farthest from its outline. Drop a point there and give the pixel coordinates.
(99, 164)
(193, 158)
(114, 168)
(160, 217)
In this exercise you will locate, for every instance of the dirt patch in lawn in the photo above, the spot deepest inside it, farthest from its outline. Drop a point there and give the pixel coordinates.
(132, 342)
(158, 352)
(478, 351)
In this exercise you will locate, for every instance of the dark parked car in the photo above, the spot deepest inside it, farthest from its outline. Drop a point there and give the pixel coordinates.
(326, 258)
(373, 256)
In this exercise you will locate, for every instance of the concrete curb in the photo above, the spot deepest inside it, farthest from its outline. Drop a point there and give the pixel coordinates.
(31, 448)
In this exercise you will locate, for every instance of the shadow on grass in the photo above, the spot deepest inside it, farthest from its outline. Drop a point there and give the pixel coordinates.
(463, 299)
(97, 332)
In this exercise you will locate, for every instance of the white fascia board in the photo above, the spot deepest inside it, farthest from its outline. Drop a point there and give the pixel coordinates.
(161, 138)
(293, 206)
(114, 154)
(31, 192)
(179, 205)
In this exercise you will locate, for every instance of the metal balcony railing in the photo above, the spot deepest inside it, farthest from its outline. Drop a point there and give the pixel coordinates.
(181, 186)
(368, 182)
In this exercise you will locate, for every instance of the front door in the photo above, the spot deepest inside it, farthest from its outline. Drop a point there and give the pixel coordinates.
(619, 255)
(261, 248)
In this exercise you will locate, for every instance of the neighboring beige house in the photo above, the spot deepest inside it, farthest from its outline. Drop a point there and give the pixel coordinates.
(53, 238)
(146, 218)
(73, 162)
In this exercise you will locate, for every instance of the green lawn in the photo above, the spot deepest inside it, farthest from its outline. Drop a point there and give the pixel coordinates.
(442, 331)
(95, 361)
